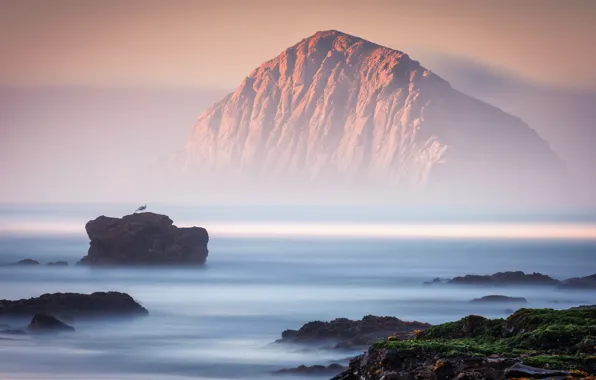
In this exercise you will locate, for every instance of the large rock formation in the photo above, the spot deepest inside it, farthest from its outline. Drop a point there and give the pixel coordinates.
(531, 343)
(73, 305)
(338, 110)
(144, 239)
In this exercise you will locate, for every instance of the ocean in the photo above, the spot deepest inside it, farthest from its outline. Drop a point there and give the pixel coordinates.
(219, 322)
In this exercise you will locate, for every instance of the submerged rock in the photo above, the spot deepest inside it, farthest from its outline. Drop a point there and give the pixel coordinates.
(47, 323)
(144, 239)
(499, 298)
(58, 264)
(348, 334)
(26, 262)
(505, 278)
(435, 281)
(74, 305)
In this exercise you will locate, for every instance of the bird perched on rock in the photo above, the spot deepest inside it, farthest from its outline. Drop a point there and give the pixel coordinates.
(142, 208)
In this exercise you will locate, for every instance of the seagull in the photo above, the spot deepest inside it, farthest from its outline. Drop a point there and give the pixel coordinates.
(142, 208)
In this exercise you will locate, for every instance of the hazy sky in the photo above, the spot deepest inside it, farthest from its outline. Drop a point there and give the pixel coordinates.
(94, 91)
(215, 43)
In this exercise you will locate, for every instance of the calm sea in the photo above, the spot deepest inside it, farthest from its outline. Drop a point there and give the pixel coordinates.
(218, 322)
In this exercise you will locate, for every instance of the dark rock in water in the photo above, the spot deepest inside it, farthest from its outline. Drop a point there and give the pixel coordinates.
(74, 304)
(58, 264)
(524, 371)
(508, 311)
(505, 278)
(144, 239)
(47, 323)
(499, 298)
(26, 262)
(434, 281)
(331, 369)
(346, 333)
(588, 282)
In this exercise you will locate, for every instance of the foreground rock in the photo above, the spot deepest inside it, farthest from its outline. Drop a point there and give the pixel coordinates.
(47, 323)
(314, 370)
(144, 239)
(74, 305)
(349, 334)
(505, 278)
(499, 298)
(531, 343)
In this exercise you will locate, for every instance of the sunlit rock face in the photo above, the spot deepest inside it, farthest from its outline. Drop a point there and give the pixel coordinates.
(337, 109)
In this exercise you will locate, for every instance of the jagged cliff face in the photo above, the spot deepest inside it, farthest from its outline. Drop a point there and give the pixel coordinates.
(338, 109)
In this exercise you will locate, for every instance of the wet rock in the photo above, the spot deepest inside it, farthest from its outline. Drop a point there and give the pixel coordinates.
(499, 298)
(472, 375)
(349, 334)
(505, 278)
(331, 369)
(444, 369)
(74, 305)
(521, 370)
(144, 239)
(47, 323)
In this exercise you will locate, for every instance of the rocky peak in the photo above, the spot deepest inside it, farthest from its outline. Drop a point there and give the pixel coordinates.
(338, 109)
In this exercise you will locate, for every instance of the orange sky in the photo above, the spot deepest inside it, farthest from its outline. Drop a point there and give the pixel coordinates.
(215, 43)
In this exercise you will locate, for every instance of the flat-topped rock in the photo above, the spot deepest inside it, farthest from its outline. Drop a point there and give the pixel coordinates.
(505, 278)
(26, 262)
(144, 239)
(73, 305)
(499, 298)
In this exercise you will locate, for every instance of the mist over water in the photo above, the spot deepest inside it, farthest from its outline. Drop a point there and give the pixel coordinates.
(219, 321)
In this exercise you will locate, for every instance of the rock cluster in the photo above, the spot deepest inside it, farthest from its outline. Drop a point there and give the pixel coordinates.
(518, 278)
(505, 278)
(531, 343)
